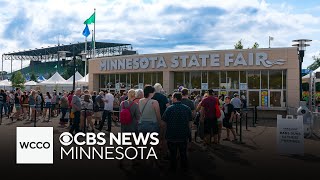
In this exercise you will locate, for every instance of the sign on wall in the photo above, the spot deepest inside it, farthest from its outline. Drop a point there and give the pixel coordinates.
(290, 135)
(140, 86)
(243, 86)
(204, 86)
(264, 98)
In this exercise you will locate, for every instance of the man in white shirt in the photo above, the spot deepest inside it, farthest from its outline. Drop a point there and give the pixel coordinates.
(108, 108)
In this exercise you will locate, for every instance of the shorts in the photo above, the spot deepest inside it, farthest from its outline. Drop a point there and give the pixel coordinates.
(148, 126)
(227, 124)
(210, 126)
(237, 109)
(98, 114)
(88, 113)
(47, 105)
(18, 107)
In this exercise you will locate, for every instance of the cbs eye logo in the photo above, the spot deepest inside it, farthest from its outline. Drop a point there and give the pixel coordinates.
(66, 139)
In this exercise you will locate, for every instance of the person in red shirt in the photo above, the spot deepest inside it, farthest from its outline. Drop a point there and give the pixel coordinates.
(208, 107)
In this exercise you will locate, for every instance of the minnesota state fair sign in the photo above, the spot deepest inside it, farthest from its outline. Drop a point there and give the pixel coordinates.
(189, 61)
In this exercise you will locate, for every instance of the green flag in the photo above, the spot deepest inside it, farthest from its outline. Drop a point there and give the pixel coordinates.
(91, 19)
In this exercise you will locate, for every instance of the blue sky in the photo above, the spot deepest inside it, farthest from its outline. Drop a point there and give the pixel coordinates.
(153, 26)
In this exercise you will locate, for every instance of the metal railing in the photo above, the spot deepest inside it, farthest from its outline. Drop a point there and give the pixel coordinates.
(316, 124)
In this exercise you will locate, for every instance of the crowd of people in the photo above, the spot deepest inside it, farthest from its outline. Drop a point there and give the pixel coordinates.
(173, 116)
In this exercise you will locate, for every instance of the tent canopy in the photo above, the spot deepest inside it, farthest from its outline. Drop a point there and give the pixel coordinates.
(84, 80)
(55, 79)
(78, 77)
(313, 74)
(41, 78)
(5, 83)
(30, 83)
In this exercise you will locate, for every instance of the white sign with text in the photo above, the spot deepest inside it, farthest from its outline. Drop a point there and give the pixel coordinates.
(190, 61)
(290, 136)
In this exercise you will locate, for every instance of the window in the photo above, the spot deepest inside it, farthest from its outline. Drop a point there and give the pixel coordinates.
(284, 79)
(111, 83)
(253, 79)
(204, 76)
(213, 80)
(178, 79)
(233, 80)
(243, 77)
(195, 80)
(147, 79)
(102, 81)
(187, 81)
(254, 99)
(275, 79)
(160, 78)
(134, 80)
(275, 98)
(123, 80)
(223, 80)
(231, 93)
(264, 80)
(140, 78)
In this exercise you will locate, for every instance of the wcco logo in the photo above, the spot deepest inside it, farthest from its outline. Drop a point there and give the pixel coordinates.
(34, 145)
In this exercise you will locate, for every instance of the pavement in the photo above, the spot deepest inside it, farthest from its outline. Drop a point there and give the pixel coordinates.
(255, 158)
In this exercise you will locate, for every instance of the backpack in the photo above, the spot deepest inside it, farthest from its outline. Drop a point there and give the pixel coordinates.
(125, 114)
(214, 105)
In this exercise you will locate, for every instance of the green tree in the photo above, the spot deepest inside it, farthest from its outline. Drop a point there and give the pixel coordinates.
(12, 76)
(33, 77)
(68, 72)
(238, 45)
(315, 64)
(18, 80)
(255, 45)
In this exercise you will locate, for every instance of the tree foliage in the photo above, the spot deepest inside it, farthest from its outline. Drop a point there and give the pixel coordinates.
(315, 64)
(18, 80)
(255, 45)
(238, 45)
(33, 77)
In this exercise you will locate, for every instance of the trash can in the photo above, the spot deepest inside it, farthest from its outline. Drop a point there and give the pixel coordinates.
(307, 118)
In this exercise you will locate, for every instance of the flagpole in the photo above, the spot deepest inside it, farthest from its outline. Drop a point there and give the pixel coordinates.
(269, 41)
(92, 45)
(94, 34)
(85, 63)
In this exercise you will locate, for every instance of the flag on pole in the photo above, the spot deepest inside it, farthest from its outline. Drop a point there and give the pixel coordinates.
(91, 19)
(86, 31)
(271, 38)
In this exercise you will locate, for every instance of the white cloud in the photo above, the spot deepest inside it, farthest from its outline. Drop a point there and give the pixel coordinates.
(150, 30)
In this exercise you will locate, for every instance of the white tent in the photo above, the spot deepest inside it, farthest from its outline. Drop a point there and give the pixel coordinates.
(30, 83)
(56, 79)
(5, 83)
(84, 80)
(307, 77)
(78, 77)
